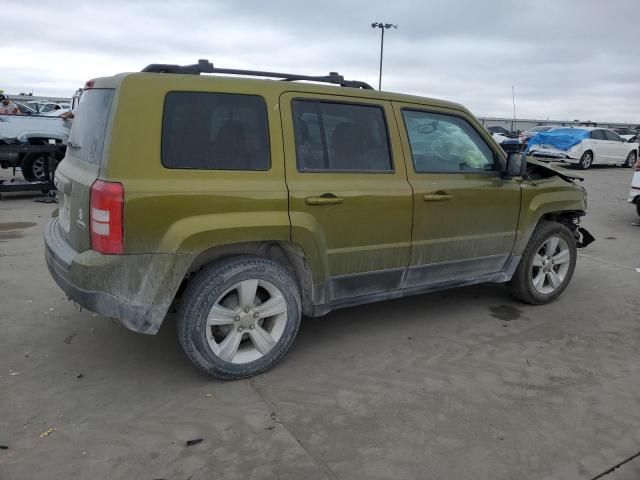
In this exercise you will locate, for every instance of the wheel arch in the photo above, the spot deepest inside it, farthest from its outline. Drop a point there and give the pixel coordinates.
(591, 151)
(287, 254)
(568, 216)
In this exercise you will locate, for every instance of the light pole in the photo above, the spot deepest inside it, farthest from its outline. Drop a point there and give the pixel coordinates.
(513, 97)
(382, 27)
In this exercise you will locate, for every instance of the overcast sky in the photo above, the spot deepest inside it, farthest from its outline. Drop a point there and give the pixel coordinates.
(568, 59)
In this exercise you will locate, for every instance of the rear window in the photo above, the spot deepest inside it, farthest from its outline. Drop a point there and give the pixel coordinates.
(86, 138)
(215, 131)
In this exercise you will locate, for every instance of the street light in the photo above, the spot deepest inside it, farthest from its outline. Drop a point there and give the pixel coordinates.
(382, 27)
(513, 97)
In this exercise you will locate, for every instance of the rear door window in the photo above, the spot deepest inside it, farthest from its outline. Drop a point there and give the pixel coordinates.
(598, 135)
(340, 137)
(611, 136)
(86, 138)
(215, 131)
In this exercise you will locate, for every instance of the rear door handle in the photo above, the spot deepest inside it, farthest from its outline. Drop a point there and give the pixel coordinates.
(323, 200)
(437, 197)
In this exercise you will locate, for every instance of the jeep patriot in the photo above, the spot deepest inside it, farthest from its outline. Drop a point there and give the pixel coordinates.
(245, 203)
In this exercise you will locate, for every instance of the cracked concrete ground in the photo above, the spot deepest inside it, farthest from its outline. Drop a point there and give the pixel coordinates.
(465, 384)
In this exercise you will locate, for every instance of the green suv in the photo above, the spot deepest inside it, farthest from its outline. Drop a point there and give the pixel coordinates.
(245, 203)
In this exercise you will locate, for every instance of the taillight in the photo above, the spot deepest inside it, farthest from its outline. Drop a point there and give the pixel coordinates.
(106, 218)
(636, 167)
(89, 84)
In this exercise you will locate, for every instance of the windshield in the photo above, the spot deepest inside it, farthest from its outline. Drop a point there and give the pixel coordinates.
(86, 139)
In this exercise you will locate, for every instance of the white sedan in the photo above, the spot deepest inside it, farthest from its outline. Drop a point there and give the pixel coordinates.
(634, 192)
(584, 146)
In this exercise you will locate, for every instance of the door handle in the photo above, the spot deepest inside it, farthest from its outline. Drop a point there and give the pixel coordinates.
(437, 197)
(322, 200)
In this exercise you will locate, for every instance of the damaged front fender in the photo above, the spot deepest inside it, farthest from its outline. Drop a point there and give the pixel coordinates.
(583, 237)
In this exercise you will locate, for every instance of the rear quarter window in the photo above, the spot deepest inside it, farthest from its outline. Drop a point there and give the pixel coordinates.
(87, 135)
(215, 131)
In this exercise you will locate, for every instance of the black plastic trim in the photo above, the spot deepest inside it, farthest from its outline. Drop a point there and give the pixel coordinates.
(204, 66)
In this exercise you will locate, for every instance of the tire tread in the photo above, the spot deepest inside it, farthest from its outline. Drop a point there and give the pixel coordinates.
(520, 286)
(197, 297)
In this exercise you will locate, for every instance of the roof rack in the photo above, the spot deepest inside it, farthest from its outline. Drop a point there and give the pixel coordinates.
(204, 66)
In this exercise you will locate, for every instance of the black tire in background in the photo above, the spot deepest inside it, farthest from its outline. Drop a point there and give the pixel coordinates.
(204, 290)
(586, 160)
(32, 166)
(521, 285)
(631, 159)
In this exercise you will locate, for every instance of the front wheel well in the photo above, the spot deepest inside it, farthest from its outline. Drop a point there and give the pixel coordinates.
(570, 218)
(287, 254)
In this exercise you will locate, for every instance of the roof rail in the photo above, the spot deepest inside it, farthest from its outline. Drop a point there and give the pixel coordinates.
(204, 66)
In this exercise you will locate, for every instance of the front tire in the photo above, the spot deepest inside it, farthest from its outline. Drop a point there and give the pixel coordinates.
(631, 160)
(239, 317)
(547, 265)
(586, 160)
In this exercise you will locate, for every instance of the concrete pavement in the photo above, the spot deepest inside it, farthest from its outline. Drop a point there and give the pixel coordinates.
(464, 384)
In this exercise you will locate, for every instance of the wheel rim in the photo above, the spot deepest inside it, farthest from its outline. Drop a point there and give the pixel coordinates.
(246, 321)
(586, 160)
(631, 159)
(38, 168)
(550, 265)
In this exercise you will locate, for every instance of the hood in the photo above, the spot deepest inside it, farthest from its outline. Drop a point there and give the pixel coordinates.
(548, 168)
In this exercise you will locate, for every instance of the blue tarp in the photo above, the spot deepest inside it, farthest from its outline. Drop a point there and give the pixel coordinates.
(561, 139)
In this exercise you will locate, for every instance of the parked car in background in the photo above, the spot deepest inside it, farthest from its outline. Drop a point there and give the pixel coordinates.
(55, 113)
(508, 144)
(51, 106)
(528, 134)
(502, 131)
(31, 130)
(197, 194)
(634, 191)
(584, 146)
(25, 109)
(625, 133)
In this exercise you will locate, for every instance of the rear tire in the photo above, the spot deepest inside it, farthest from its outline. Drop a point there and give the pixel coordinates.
(631, 160)
(586, 160)
(239, 317)
(546, 266)
(638, 206)
(33, 167)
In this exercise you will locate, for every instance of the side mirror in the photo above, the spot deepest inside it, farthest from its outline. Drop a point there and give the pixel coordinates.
(516, 165)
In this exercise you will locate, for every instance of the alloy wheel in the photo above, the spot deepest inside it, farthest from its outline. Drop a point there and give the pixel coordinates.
(631, 160)
(38, 169)
(246, 321)
(550, 265)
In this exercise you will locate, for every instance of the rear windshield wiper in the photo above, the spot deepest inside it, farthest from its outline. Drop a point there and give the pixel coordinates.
(73, 145)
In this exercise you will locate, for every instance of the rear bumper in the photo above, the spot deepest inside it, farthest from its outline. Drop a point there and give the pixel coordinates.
(135, 289)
